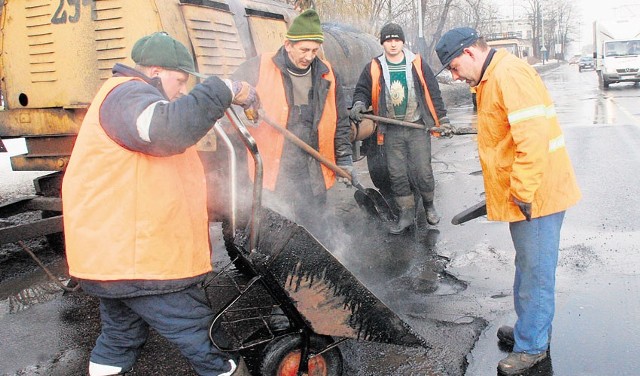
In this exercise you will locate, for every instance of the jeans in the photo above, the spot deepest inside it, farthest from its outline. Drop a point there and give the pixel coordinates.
(181, 317)
(536, 244)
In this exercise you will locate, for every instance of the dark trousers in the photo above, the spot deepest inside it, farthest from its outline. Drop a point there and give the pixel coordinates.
(181, 317)
(408, 153)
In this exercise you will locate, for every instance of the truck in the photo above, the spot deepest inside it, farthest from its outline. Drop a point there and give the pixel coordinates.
(512, 42)
(55, 55)
(617, 59)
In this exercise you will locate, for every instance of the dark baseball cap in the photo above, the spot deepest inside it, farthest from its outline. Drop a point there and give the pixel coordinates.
(161, 50)
(453, 42)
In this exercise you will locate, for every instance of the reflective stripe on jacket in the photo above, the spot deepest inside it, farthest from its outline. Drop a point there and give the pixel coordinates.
(129, 215)
(270, 88)
(521, 145)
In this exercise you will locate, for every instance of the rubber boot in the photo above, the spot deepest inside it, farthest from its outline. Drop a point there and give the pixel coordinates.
(430, 210)
(407, 213)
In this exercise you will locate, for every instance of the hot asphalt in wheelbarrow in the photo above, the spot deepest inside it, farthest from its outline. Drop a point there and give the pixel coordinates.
(330, 299)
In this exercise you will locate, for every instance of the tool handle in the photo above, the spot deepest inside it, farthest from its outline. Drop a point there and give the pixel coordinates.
(394, 121)
(304, 146)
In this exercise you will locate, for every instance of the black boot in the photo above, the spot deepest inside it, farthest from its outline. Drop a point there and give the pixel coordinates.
(407, 213)
(430, 210)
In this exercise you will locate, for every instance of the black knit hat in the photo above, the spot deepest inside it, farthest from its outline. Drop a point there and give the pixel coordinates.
(391, 31)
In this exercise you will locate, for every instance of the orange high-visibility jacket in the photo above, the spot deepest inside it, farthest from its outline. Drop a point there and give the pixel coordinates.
(270, 88)
(521, 145)
(129, 215)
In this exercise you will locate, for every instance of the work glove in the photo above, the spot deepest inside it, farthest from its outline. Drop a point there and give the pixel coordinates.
(524, 207)
(356, 111)
(352, 172)
(246, 96)
(446, 129)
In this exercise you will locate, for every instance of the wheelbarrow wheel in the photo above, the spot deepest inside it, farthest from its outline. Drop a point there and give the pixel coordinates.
(282, 357)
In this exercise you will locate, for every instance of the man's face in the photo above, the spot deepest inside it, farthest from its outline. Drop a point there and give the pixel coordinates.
(466, 67)
(302, 53)
(393, 47)
(174, 83)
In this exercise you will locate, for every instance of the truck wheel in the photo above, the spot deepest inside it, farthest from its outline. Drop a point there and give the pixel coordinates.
(282, 357)
(603, 83)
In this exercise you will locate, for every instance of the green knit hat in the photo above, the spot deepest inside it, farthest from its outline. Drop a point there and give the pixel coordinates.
(161, 50)
(306, 27)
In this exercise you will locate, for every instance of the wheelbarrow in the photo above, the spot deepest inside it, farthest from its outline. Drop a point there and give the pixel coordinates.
(290, 297)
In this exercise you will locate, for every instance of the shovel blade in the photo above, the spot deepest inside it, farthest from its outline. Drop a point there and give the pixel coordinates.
(475, 211)
(374, 203)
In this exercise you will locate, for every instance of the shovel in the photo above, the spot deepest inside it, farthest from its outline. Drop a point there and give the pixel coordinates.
(468, 214)
(372, 201)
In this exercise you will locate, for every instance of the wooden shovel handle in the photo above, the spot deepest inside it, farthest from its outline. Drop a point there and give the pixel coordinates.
(304, 146)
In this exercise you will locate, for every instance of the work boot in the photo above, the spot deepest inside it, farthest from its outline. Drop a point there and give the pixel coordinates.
(241, 369)
(505, 335)
(429, 209)
(407, 213)
(96, 369)
(516, 363)
(506, 338)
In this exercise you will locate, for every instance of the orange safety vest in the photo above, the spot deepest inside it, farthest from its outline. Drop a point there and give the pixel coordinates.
(377, 89)
(132, 216)
(270, 142)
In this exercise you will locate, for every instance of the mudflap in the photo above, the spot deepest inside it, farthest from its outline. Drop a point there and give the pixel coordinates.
(329, 298)
(3, 149)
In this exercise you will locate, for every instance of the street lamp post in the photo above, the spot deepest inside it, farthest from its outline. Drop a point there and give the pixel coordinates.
(543, 49)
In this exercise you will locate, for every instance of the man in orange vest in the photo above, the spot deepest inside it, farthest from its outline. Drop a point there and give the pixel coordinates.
(528, 180)
(300, 91)
(400, 85)
(135, 211)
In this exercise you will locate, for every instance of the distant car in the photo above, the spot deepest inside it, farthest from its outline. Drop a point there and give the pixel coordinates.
(574, 60)
(586, 62)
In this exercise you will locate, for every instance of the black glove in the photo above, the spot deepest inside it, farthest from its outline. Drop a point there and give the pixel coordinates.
(524, 207)
(356, 111)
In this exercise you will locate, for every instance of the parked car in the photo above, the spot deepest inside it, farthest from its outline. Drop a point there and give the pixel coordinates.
(586, 62)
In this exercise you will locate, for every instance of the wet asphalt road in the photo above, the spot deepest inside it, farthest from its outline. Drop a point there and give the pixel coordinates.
(452, 284)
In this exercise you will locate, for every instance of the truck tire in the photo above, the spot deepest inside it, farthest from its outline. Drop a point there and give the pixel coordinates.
(603, 83)
(281, 357)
